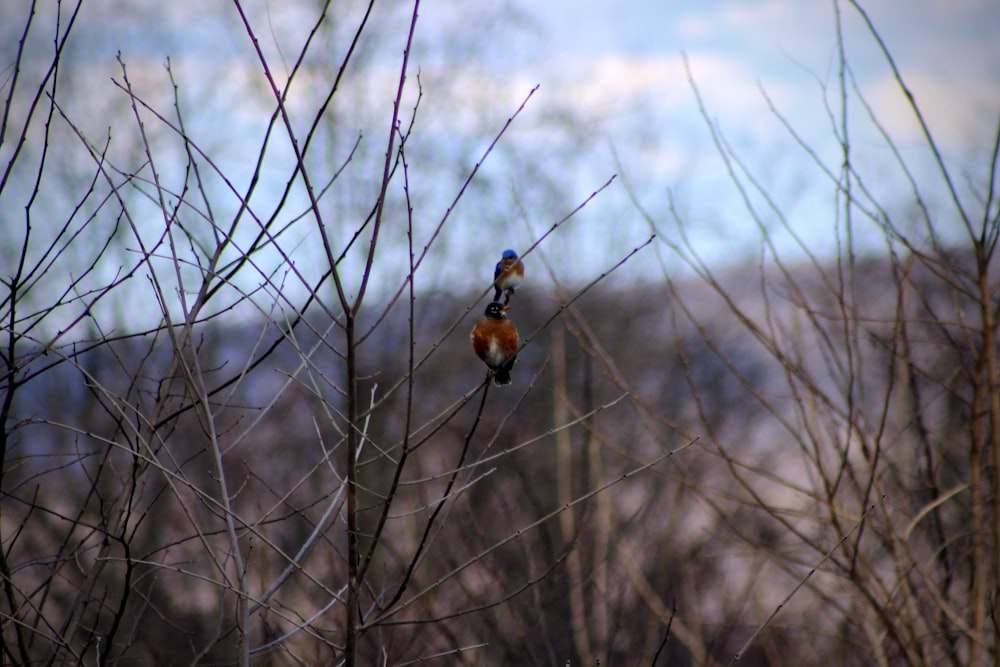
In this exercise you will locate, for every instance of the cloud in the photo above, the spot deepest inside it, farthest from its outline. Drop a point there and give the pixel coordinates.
(615, 86)
(752, 17)
(959, 112)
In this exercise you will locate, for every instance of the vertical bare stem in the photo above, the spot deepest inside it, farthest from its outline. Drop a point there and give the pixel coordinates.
(603, 521)
(993, 396)
(567, 520)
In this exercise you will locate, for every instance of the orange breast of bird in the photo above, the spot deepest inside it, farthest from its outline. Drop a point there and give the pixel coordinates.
(495, 341)
(511, 272)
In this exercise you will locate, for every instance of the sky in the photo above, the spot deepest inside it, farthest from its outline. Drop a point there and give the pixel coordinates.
(947, 51)
(619, 69)
(623, 62)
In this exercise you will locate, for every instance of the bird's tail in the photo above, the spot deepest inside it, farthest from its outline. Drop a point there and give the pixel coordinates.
(502, 376)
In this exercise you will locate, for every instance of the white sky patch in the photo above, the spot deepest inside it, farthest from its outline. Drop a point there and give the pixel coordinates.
(754, 15)
(957, 112)
(617, 81)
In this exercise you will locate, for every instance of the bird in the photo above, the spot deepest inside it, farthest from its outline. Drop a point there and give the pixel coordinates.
(508, 275)
(495, 341)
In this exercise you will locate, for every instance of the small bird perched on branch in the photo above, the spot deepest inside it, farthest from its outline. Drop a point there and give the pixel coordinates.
(508, 275)
(495, 340)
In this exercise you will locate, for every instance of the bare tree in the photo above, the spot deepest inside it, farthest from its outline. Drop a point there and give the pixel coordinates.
(852, 494)
(214, 448)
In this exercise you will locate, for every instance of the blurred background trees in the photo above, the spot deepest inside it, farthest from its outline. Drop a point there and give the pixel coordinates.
(242, 422)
